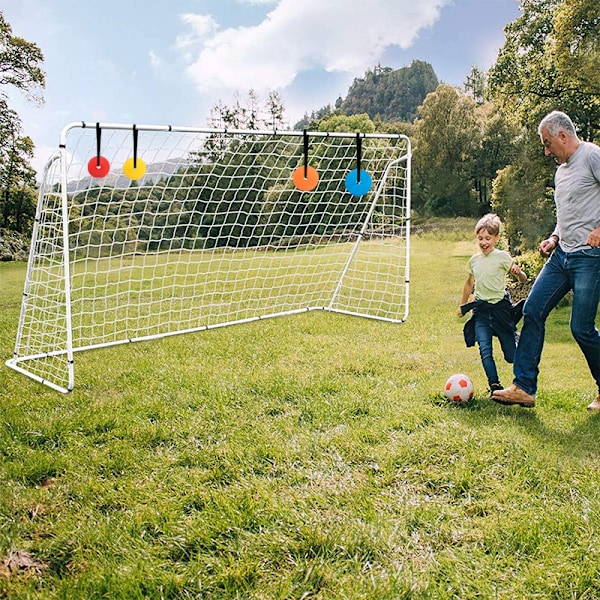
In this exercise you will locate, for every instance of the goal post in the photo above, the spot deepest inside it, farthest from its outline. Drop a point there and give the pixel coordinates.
(147, 231)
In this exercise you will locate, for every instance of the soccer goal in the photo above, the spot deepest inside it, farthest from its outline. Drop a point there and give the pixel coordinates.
(147, 231)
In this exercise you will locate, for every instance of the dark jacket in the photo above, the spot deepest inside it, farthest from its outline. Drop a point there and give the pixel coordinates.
(503, 313)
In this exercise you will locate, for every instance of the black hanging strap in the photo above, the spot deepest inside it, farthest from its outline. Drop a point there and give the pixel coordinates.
(98, 136)
(358, 152)
(305, 134)
(135, 142)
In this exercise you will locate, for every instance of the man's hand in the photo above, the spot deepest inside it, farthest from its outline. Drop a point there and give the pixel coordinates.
(594, 238)
(547, 246)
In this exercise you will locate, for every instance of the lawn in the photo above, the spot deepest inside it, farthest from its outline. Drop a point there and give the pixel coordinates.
(309, 456)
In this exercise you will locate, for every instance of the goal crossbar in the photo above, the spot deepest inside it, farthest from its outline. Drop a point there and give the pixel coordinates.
(149, 231)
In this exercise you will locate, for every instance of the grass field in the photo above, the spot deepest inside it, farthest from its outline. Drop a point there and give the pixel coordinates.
(136, 297)
(310, 456)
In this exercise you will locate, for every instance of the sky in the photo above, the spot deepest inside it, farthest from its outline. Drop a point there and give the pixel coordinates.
(168, 62)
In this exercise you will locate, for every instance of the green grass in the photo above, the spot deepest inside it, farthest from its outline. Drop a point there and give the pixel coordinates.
(116, 300)
(310, 456)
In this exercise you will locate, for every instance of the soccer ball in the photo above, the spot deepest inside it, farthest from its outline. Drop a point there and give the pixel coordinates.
(458, 388)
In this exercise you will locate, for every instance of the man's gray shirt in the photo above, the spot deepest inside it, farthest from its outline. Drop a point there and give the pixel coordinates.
(577, 197)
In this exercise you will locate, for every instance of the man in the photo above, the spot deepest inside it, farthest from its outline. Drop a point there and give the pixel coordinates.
(574, 263)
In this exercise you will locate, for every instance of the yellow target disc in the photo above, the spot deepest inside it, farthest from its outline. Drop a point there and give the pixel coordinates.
(136, 172)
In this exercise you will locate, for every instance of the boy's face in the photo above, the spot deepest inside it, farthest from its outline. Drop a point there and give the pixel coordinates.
(486, 241)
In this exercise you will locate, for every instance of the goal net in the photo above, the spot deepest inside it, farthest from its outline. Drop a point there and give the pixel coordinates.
(147, 231)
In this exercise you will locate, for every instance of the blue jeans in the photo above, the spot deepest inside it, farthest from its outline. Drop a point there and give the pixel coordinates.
(578, 271)
(486, 327)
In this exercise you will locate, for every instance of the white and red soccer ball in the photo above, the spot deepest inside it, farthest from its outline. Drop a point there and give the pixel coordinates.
(458, 388)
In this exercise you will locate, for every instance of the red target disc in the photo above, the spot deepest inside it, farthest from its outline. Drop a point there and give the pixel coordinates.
(98, 166)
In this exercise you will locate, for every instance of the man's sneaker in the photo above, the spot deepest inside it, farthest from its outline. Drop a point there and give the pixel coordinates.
(495, 387)
(514, 395)
(595, 405)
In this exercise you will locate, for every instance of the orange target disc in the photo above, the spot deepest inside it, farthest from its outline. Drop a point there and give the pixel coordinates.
(305, 184)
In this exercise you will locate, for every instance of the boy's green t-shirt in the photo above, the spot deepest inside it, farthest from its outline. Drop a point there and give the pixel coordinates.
(490, 272)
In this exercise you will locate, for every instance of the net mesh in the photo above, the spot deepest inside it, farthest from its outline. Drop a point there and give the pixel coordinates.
(208, 229)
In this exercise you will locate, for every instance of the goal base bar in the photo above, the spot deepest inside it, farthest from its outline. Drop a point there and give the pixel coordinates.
(14, 363)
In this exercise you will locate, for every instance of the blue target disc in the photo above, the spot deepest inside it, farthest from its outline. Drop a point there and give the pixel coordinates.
(355, 187)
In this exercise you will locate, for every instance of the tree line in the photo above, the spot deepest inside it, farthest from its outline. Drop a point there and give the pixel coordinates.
(475, 147)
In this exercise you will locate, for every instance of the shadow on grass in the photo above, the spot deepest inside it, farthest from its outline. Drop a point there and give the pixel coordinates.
(552, 423)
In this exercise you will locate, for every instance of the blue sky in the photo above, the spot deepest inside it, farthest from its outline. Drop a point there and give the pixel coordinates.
(170, 61)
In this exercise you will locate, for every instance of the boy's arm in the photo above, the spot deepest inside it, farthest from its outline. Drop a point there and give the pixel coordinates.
(516, 270)
(467, 291)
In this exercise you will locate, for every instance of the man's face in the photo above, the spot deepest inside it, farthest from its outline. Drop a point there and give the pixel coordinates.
(554, 146)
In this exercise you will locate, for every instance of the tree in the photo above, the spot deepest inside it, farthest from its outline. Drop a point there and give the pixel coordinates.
(355, 123)
(476, 84)
(17, 178)
(550, 60)
(20, 62)
(576, 48)
(312, 121)
(445, 140)
(249, 114)
(275, 111)
(523, 81)
(497, 146)
(523, 195)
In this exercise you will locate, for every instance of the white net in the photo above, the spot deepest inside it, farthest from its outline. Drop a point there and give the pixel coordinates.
(148, 231)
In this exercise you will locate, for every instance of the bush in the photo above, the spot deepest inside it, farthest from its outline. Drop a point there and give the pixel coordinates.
(532, 263)
(13, 246)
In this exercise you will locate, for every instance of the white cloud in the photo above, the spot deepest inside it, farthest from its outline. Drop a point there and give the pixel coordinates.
(202, 28)
(155, 60)
(347, 36)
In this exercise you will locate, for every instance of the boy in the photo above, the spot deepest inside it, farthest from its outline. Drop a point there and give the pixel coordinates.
(493, 313)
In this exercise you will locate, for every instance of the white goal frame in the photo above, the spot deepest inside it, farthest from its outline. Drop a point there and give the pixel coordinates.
(144, 253)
